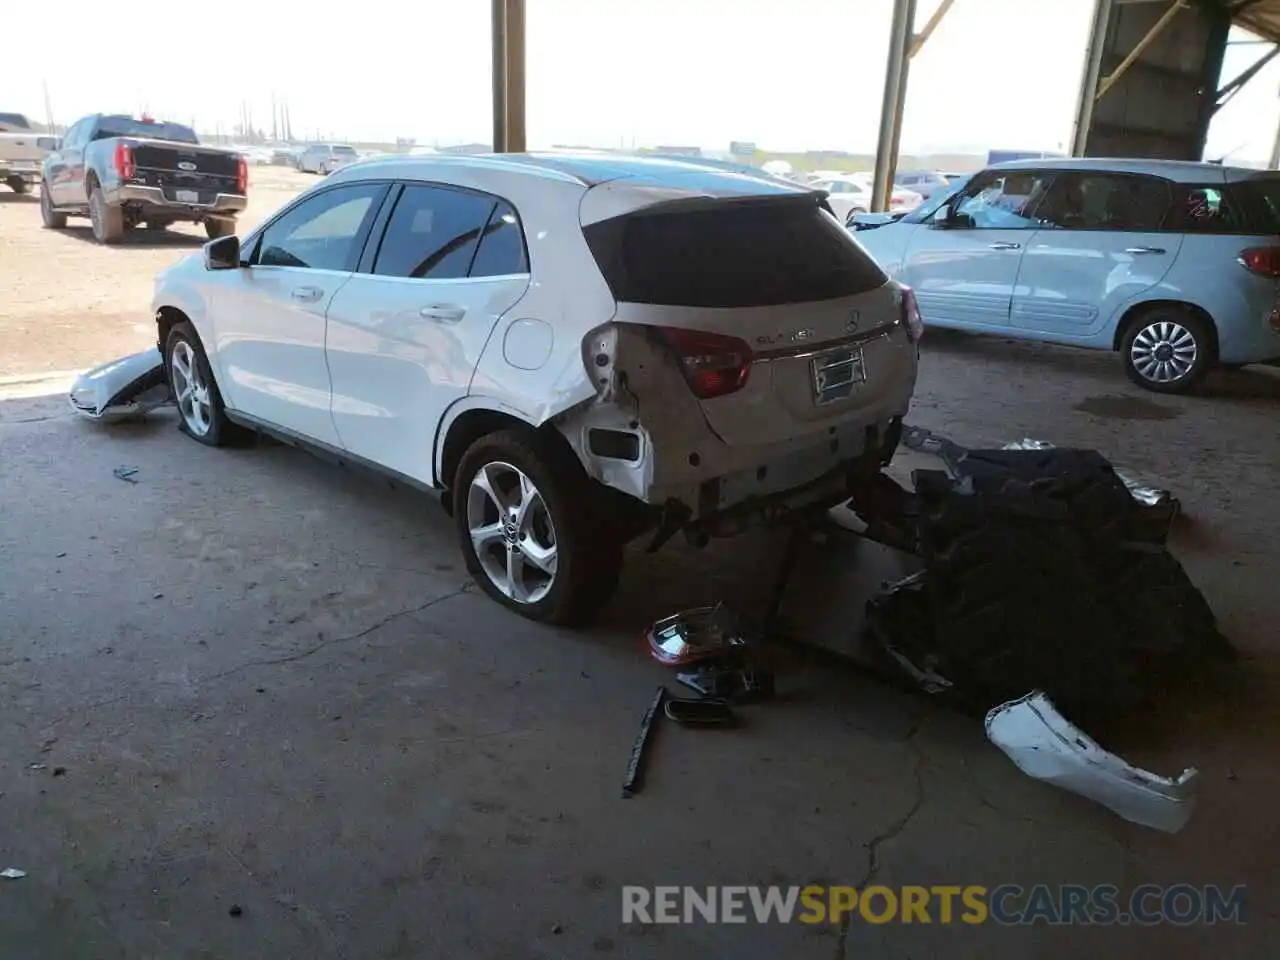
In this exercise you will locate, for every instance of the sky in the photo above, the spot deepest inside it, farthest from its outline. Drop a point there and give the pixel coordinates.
(788, 75)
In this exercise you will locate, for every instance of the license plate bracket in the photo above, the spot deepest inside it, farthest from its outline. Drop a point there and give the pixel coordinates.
(187, 196)
(836, 374)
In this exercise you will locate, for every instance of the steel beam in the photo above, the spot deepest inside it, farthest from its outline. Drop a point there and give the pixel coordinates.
(921, 38)
(1153, 34)
(1092, 73)
(508, 76)
(1229, 90)
(891, 106)
(1275, 151)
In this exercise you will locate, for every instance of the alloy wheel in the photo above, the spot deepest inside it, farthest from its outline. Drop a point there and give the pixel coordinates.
(512, 532)
(190, 389)
(1164, 351)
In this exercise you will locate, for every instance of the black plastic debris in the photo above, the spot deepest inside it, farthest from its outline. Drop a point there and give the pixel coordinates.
(1041, 571)
(634, 778)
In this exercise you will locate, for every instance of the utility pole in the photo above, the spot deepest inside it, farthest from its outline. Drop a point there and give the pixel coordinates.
(48, 109)
(275, 129)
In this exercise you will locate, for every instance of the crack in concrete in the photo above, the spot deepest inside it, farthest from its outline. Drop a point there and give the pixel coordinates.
(894, 830)
(332, 641)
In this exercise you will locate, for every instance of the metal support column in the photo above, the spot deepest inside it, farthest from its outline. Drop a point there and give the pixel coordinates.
(508, 76)
(1275, 151)
(1092, 74)
(895, 94)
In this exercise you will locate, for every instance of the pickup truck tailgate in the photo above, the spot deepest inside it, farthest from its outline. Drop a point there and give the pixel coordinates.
(21, 148)
(179, 166)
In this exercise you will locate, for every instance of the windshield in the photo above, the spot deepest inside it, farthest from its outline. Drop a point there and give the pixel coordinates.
(150, 130)
(936, 202)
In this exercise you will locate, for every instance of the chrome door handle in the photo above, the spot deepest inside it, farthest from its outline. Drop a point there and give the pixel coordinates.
(442, 312)
(307, 294)
(1139, 251)
(1005, 245)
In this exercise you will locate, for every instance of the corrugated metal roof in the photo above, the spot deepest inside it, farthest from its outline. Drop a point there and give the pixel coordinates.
(1258, 16)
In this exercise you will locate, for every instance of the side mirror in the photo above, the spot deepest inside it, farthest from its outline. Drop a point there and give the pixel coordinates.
(49, 143)
(948, 219)
(222, 254)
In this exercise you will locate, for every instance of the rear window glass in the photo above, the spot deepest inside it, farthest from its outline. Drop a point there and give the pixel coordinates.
(344, 150)
(125, 127)
(741, 255)
(14, 121)
(1249, 207)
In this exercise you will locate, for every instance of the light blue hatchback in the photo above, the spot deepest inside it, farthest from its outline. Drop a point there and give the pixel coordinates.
(1174, 264)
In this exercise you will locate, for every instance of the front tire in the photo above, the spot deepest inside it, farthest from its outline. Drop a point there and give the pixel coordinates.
(528, 530)
(50, 217)
(18, 185)
(202, 415)
(1167, 350)
(107, 221)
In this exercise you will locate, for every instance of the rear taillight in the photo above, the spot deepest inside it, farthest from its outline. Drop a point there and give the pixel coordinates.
(123, 161)
(911, 318)
(1264, 261)
(242, 175)
(713, 364)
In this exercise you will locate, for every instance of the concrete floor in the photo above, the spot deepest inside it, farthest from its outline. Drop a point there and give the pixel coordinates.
(269, 686)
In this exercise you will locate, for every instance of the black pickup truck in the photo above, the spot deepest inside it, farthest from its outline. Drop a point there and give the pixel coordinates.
(123, 172)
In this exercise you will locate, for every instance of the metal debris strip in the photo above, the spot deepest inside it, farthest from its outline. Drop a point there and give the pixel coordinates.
(12, 873)
(127, 474)
(635, 767)
(1046, 746)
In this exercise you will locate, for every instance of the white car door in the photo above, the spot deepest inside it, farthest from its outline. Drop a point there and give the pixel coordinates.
(269, 317)
(407, 331)
(964, 261)
(1100, 245)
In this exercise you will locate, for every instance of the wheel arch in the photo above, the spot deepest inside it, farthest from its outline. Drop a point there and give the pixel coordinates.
(168, 317)
(1137, 311)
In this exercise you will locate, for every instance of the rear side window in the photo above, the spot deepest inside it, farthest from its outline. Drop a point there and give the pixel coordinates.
(1106, 201)
(502, 245)
(746, 254)
(433, 234)
(1247, 207)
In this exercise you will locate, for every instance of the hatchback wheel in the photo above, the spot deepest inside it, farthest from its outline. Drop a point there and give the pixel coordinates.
(194, 390)
(527, 531)
(1168, 350)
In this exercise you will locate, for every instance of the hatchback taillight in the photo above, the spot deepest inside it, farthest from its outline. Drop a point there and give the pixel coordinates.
(911, 318)
(713, 364)
(242, 176)
(1264, 261)
(123, 161)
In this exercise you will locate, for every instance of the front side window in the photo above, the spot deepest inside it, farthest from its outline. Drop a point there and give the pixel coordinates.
(1002, 201)
(321, 232)
(1106, 201)
(433, 233)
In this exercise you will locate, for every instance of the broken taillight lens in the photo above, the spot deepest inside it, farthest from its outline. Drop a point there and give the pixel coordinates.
(911, 318)
(123, 161)
(1264, 261)
(713, 364)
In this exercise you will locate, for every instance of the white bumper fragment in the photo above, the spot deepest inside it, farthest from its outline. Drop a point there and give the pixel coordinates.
(1046, 746)
(121, 389)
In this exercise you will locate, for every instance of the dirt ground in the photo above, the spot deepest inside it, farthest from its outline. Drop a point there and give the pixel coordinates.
(253, 680)
(70, 302)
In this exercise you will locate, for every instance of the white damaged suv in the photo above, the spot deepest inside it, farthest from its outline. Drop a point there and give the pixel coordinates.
(573, 350)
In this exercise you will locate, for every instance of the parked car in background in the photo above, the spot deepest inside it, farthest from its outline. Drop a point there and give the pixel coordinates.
(324, 158)
(573, 350)
(123, 172)
(22, 150)
(1175, 265)
(284, 156)
(926, 183)
(845, 195)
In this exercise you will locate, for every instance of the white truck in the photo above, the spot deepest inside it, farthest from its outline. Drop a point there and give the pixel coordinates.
(22, 151)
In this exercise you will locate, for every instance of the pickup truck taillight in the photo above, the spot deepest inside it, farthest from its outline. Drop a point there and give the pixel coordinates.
(1264, 261)
(123, 161)
(713, 364)
(242, 176)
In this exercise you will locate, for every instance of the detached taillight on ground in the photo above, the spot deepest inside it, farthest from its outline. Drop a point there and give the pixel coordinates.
(713, 364)
(242, 175)
(1264, 261)
(911, 318)
(123, 161)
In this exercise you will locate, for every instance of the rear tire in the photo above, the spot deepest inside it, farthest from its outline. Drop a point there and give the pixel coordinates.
(107, 221)
(50, 217)
(217, 227)
(18, 185)
(547, 519)
(201, 413)
(1168, 349)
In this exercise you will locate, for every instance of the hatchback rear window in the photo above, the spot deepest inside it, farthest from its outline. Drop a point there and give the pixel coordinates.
(345, 151)
(751, 254)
